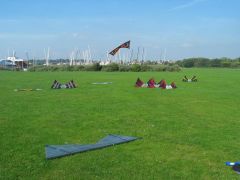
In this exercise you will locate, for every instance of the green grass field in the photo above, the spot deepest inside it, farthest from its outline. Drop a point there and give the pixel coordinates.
(188, 133)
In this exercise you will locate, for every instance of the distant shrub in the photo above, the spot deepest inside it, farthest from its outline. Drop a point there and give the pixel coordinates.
(53, 68)
(146, 67)
(32, 69)
(159, 68)
(88, 68)
(226, 64)
(110, 67)
(41, 68)
(78, 68)
(173, 68)
(92, 67)
(6, 68)
(188, 62)
(215, 63)
(124, 68)
(97, 67)
(69, 68)
(66, 68)
(136, 68)
(235, 64)
(201, 62)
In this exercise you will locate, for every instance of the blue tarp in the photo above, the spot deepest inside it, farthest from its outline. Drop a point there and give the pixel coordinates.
(55, 151)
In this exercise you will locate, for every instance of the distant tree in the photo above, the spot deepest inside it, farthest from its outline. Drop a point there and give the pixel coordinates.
(111, 67)
(136, 68)
(179, 62)
(226, 63)
(145, 67)
(238, 59)
(215, 63)
(97, 67)
(201, 62)
(188, 62)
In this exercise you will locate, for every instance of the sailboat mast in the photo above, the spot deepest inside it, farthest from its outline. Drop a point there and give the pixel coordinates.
(165, 52)
(138, 53)
(143, 52)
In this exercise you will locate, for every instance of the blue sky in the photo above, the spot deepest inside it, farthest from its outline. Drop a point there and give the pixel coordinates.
(185, 28)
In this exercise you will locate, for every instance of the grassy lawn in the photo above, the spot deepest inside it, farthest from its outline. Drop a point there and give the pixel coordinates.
(188, 133)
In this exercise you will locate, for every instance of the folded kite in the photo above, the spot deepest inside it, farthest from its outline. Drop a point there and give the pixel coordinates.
(56, 151)
(57, 85)
(193, 79)
(102, 83)
(27, 89)
(235, 166)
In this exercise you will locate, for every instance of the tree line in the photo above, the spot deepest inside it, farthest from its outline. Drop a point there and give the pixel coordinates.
(108, 68)
(38, 65)
(205, 62)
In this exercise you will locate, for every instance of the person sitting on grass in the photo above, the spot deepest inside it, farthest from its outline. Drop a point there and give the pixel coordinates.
(139, 83)
(173, 85)
(151, 83)
(164, 85)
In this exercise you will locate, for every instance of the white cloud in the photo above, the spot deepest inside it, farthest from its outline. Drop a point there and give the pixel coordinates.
(186, 5)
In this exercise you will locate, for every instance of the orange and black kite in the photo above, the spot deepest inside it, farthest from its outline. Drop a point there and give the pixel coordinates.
(124, 45)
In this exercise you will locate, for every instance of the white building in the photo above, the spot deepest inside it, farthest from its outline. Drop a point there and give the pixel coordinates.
(15, 60)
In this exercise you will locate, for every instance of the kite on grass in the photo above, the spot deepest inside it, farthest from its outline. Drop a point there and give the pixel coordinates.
(193, 79)
(235, 166)
(56, 151)
(37, 89)
(102, 83)
(68, 85)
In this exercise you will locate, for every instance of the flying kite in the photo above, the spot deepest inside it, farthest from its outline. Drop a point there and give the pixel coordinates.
(124, 45)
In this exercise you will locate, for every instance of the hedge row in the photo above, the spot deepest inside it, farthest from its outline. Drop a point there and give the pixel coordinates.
(108, 68)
